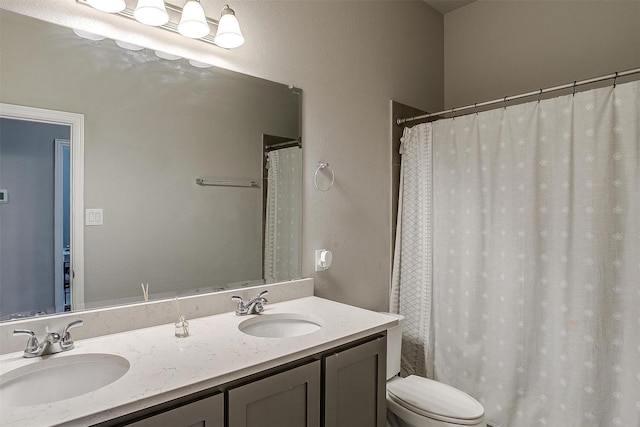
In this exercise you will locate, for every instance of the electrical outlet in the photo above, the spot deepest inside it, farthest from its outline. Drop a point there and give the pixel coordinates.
(323, 259)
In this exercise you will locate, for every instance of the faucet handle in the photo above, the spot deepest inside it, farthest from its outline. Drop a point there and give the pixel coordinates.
(262, 294)
(241, 309)
(74, 324)
(32, 344)
(237, 299)
(66, 342)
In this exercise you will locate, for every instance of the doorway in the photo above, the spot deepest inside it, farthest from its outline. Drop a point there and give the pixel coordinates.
(41, 250)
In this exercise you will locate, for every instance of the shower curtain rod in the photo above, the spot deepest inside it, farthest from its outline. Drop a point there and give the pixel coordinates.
(292, 143)
(539, 92)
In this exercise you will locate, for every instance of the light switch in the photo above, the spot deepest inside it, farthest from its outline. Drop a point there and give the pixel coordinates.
(93, 217)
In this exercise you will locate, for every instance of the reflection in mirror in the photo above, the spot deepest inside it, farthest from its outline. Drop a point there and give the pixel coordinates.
(152, 127)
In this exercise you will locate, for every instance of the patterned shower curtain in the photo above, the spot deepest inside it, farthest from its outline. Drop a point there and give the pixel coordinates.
(536, 259)
(412, 273)
(283, 217)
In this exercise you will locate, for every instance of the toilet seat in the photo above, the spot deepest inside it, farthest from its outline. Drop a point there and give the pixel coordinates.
(435, 400)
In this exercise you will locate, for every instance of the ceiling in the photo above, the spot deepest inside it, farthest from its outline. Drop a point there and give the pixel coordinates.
(446, 6)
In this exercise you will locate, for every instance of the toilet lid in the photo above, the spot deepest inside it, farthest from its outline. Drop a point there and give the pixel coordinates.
(435, 400)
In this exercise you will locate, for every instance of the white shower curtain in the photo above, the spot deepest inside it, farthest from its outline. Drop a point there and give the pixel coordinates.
(283, 217)
(536, 260)
(412, 273)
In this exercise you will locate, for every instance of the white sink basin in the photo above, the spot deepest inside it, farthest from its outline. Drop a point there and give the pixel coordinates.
(280, 325)
(60, 378)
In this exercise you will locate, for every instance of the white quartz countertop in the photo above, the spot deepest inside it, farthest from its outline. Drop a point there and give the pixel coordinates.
(163, 367)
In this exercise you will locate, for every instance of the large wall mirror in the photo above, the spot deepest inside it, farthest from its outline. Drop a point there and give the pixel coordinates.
(154, 124)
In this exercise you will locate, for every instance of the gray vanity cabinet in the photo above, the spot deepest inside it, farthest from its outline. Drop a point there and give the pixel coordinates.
(207, 412)
(340, 387)
(355, 386)
(287, 399)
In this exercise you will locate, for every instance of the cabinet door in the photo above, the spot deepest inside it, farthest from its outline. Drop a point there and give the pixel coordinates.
(288, 399)
(207, 412)
(355, 383)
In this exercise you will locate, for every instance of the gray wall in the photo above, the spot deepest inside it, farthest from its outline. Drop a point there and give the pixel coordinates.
(26, 222)
(151, 128)
(499, 48)
(351, 58)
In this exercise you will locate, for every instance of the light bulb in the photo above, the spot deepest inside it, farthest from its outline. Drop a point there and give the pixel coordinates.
(128, 46)
(87, 35)
(166, 55)
(193, 23)
(110, 6)
(199, 64)
(151, 12)
(228, 35)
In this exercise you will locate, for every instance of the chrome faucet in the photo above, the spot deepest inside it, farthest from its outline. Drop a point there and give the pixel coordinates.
(53, 342)
(254, 306)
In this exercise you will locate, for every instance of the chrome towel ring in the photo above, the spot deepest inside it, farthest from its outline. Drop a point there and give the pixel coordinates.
(323, 165)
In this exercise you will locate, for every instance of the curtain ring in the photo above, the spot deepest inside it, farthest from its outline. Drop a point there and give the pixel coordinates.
(614, 80)
(505, 102)
(323, 165)
(539, 94)
(574, 87)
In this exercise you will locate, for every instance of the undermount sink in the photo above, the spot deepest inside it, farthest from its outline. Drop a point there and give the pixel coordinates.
(59, 378)
(280, 325)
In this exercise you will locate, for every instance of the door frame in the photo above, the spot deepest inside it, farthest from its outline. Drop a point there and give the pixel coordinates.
(58, 219)
(76, 122)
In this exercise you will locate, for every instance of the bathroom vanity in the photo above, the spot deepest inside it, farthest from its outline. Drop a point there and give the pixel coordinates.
(222, 376)
(352, 393)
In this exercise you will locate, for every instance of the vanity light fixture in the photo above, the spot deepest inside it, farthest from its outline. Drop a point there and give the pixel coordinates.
(229, 35)
(193, 22)
(151, 12)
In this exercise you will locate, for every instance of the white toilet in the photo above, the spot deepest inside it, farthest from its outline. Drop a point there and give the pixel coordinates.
(420, 402)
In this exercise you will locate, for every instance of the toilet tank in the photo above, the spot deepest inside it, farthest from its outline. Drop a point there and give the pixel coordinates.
(394, 346)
